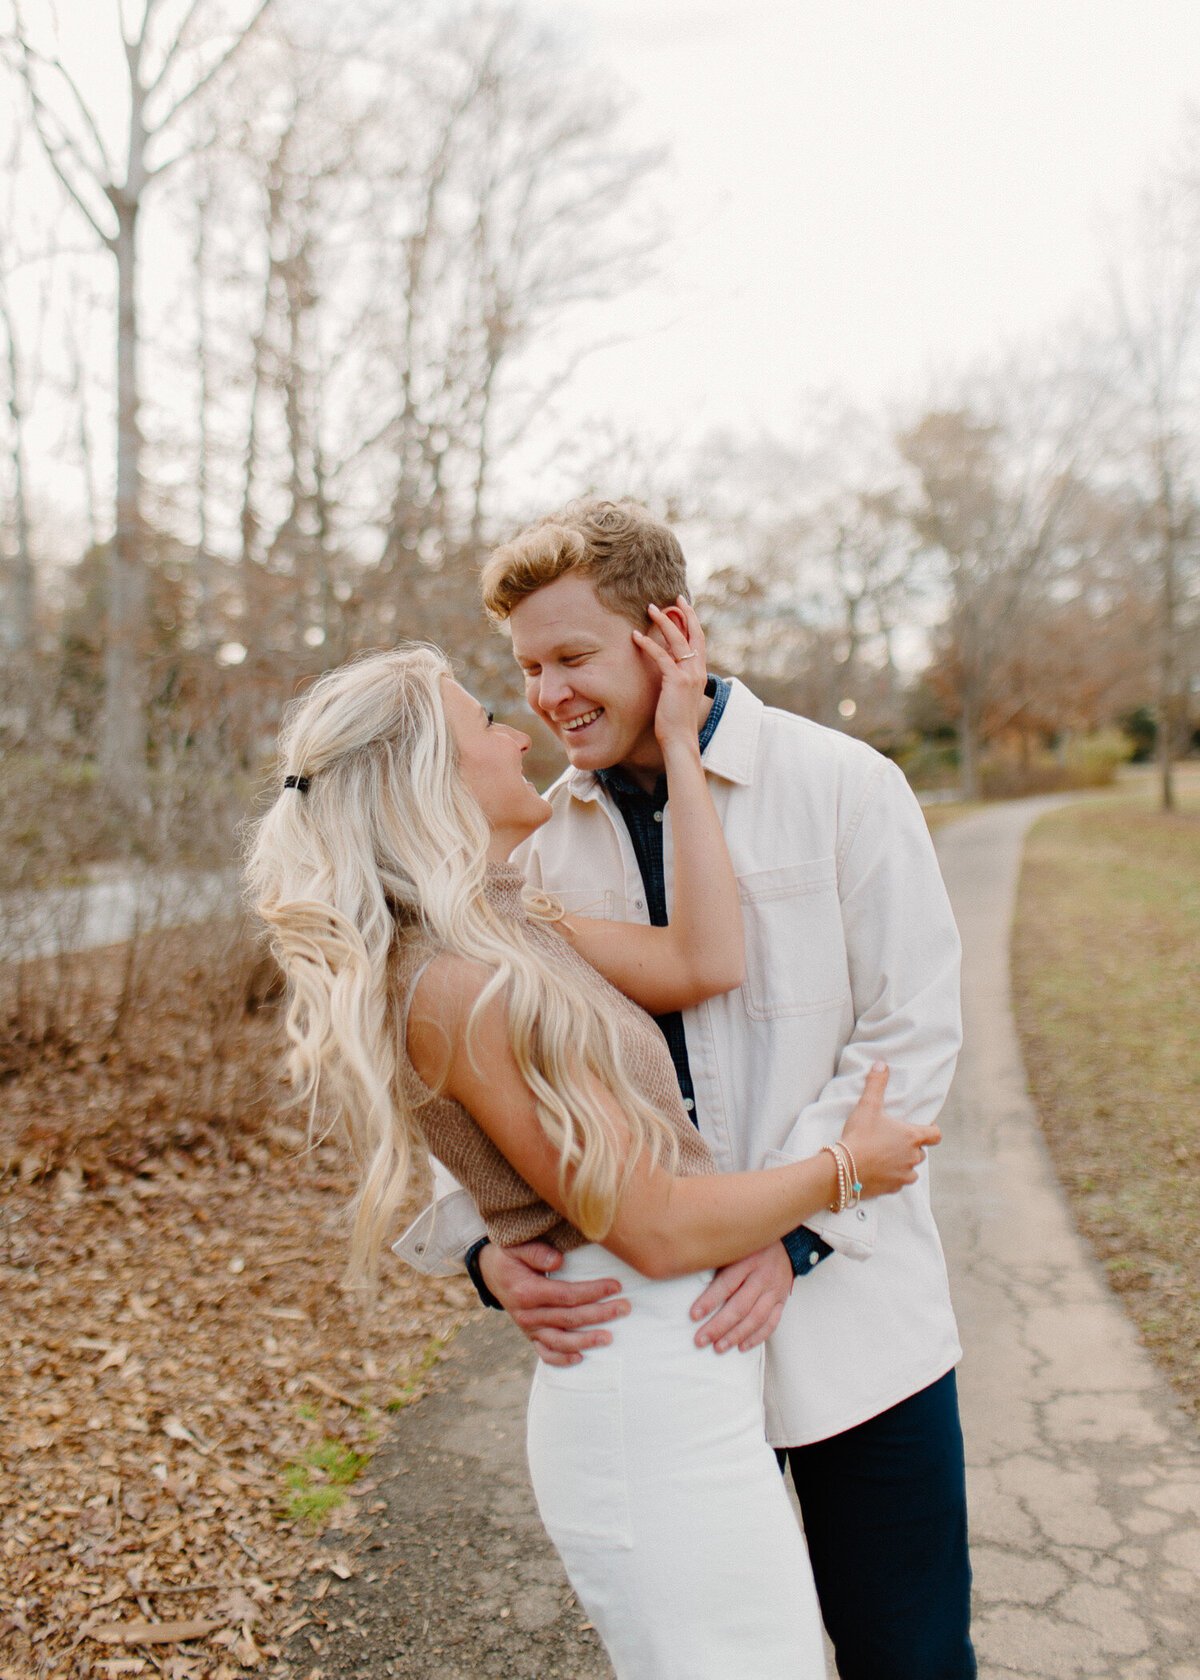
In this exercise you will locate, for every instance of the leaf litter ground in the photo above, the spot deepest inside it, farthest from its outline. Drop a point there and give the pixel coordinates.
(186, 1382)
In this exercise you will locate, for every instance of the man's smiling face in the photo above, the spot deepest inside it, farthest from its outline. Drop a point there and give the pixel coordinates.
(585, 677)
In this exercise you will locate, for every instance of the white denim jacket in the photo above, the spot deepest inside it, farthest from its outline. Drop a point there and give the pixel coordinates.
(851, 957)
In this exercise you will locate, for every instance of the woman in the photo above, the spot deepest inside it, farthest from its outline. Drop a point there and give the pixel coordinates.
(445, 1011)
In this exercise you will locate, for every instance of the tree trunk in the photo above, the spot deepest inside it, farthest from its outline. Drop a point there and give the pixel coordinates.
(24, 603)
(123, 721)
(203, 561)
(1165, 709)
(968, 745)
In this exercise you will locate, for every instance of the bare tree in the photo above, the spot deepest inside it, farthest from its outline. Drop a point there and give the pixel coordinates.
(995, 484)
(172, 55)
(815, 565)
(1154, 298)
(506, 210)
(18, 625)
(18, 593)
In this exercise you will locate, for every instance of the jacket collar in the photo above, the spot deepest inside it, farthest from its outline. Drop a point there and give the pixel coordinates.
(730, 754)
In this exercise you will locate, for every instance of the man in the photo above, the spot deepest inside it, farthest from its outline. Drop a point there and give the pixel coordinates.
(851, 957)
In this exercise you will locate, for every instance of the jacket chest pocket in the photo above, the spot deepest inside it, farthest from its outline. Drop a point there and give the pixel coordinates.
(599, 902)
(795, 943)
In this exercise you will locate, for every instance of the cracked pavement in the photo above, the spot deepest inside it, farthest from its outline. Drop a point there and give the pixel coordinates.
(1084, 1476)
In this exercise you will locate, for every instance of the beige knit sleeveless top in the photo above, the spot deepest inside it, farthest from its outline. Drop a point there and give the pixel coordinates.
(511, 1210)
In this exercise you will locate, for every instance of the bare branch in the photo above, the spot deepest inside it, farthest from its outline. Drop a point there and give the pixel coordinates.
(180, 37)
(56, 67)
(42, 114)
(213, 71)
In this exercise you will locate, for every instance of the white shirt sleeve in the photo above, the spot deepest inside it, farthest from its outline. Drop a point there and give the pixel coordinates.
(903, 955)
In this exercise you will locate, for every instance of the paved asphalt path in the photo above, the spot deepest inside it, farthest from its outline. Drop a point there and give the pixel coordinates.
(1085, 1478)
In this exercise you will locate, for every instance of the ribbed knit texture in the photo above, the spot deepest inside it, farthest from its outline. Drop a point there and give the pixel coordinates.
(512, 1212)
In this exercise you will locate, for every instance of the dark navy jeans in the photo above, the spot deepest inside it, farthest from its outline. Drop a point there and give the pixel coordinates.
(885, 1512)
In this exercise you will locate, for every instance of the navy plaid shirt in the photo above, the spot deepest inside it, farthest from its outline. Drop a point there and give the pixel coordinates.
(643, 816)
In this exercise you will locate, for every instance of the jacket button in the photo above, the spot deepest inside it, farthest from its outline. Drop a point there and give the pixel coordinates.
(862, 1213)
(420, 1248)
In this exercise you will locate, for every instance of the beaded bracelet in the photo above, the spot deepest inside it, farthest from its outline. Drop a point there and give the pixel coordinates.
(855, 1182)
(848, 1182)
(843, 1180)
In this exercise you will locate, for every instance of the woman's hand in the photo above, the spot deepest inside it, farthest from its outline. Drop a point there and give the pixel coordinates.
(886, 1152)
(681, 666)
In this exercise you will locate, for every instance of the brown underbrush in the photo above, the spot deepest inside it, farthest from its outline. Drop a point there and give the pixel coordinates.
(190, 1391)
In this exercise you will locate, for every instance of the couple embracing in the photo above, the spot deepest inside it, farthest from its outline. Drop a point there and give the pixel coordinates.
(471, 968)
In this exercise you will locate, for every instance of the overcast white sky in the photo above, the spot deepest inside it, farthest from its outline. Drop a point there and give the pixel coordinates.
(863, 191)
(860, 193)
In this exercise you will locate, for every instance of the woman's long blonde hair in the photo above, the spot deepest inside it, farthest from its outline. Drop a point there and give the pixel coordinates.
(385, 843)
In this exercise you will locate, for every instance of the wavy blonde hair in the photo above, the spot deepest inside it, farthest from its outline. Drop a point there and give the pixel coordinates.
(387, 844)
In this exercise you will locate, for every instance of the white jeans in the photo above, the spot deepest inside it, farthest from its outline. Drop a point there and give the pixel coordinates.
(655, 1482)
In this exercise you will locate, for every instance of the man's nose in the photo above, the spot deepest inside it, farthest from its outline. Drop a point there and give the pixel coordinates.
(553, 688)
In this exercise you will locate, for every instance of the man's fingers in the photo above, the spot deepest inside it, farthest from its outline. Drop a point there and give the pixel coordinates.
(727, 1280)
(570, 1318)
(539, 1255)
(549, 1292)
(567, 1347)
(764, 1324)
(720, 1330)
(747, 1318)
(734, 1312)
(548, 1357)
(760, 1335)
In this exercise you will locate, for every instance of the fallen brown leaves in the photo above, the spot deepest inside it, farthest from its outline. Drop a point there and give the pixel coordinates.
(174, 1341)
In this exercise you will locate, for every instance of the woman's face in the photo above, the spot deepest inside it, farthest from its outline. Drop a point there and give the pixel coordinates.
(489, 761)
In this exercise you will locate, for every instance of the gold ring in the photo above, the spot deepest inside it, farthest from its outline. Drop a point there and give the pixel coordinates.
(684, 656)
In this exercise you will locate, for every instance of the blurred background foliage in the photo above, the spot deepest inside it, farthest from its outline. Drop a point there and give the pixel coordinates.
(288, 319)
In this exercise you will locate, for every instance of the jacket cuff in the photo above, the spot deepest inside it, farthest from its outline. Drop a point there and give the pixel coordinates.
(853, 1232)
(438, 1238)
(805, 1250)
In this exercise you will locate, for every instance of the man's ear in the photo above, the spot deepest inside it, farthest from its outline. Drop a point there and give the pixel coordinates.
(675, 614)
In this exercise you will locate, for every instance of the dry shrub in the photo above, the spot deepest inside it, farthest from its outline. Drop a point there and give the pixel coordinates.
(113, 1058)
(1085, 761)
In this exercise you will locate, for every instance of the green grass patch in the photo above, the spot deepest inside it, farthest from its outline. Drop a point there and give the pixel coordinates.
(318, 1481)
(1106, 971)
(415, 1383)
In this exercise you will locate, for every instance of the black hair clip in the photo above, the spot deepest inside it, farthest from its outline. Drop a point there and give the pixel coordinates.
(300, 783)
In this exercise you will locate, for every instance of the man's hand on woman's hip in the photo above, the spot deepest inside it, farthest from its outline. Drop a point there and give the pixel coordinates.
(559, 1318)
(746, 1300)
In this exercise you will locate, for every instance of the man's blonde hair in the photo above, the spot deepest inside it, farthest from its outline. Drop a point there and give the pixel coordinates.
(631, 559)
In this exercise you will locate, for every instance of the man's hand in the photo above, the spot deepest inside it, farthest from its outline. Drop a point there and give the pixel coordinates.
(559, 1318)
(745, 1300)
